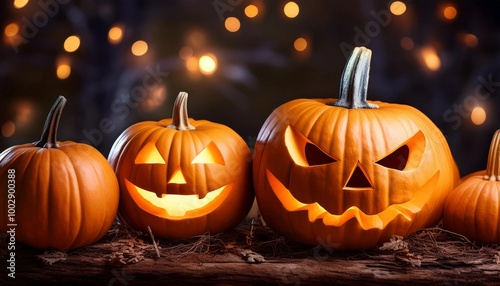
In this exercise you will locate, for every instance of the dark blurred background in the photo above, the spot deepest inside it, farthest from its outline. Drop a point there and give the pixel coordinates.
(124, 61)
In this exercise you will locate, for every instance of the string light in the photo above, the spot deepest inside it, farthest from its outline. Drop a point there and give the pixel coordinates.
(20, 3)
(115, 34)
(208, 64)
(397, 8)
(478, 115)
(139, 48)
(63, 71)
(232, 24)
(291, 9)
(251, 11)
(72, 43)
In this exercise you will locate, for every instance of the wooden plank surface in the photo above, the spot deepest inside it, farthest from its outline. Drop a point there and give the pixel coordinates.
(223, 260)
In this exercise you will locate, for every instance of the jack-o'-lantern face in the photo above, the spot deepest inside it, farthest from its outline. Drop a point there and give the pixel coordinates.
(353, 173)
(182, 177)
(177, 206)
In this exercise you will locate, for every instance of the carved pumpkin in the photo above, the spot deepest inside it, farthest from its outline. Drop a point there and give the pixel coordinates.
(473, 208)
(349, 173)
(66, 194)
(182, 177)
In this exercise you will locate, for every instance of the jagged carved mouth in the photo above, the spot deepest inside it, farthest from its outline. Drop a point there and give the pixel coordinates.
(315, 211)
(175, 206)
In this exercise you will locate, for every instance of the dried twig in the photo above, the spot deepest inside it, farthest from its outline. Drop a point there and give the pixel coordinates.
(154, 241)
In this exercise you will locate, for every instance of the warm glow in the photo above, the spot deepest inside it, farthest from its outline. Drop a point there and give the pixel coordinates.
(209, 155)
(177, 178)
(20, 3)
(407, 43)
(139, 48)
(300, 44)
(63, 71)
(291, 9)
(149, 154)
(192, 64)
(8, 129)
(232, 24)
(397, 8)
(431, 59)
(478, 115)
(156, 97)
(72, 43)
(208, 64)
(450, 12)
(185, 52)
(115, 34)
(11, 30)
(470, 40)
(175, 206)
(24, 113)
(251, 11)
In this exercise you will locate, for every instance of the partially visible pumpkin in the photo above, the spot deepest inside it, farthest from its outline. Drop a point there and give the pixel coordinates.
(473, 208)
(182, 177)
(66, 194)
(351, 173)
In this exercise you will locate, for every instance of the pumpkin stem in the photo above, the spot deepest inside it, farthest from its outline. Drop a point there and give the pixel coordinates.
(354, 81)
(180, 119)
(493, 167)
(49, 134)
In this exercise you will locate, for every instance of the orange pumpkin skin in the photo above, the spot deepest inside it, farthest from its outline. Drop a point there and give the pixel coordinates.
(320, 176)
(65, 196)
(146, 186)
(473, 208)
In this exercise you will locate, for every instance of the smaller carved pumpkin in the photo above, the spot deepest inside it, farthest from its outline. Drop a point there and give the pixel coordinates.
(66, 194)
(182, 177)
(473, 208)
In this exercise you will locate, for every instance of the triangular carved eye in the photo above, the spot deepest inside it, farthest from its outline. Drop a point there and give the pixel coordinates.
(397, 159)
(209, 155)
(303, 151)
(149, 154)
(407, 156)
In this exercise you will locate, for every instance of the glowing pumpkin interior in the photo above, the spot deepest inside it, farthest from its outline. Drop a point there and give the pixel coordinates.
(178, 206)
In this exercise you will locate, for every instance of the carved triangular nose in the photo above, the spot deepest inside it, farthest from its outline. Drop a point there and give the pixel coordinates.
(358, 179)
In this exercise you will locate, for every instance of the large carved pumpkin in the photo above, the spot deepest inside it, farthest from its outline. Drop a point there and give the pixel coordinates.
(64, 194)
(349, 173)
(182, 177)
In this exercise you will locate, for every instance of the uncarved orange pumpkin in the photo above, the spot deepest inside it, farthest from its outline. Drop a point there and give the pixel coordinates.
(350, 173)
(182, 177)
(65, 194)
(473, 208)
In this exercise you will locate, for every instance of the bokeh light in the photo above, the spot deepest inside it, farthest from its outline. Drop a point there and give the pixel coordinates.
(397, 8)
(72, 43)
(478, 115)
(11, 30)
(232, 24)
(115, 34)
(63, 71)
(291, 9)
(8, 129)
(20, 3)
(431, 59)
(300, 44)
(449, 12)
(208, 64)
(251, 11)
(139, 48)
(407, 43)
(186, 52)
